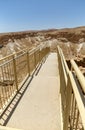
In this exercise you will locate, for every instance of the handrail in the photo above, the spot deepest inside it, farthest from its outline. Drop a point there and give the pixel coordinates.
(72, 97)
(24, 50)
(63, 59)
(66, 66)
(78, 98)
(79, 75)
(15, 67)
(9, 56)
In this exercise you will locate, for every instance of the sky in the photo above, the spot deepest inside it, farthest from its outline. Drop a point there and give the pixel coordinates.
(21, 15)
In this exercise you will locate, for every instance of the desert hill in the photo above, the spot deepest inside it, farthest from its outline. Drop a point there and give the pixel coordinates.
(71, 34)
(71, 40)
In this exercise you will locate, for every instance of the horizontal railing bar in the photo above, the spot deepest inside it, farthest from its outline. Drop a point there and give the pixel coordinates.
(21, 51)
(6, 63)
(34, 50)
(11, 55)
(31, 50)
(30, 53)
(20, 55)
(80, 76)
(67, 69)
(66, 74)
(78, 98)
(4, 58)
(63, 63)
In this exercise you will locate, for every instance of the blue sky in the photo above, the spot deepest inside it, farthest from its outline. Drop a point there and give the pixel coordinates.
(17, 15)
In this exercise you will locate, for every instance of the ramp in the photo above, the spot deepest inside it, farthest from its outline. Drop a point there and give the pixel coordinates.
(39, 108)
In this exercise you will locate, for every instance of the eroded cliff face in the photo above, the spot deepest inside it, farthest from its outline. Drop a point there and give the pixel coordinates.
(72, 34)
(72, 42)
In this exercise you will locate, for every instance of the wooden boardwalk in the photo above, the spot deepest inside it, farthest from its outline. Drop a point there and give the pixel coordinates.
(39, 108)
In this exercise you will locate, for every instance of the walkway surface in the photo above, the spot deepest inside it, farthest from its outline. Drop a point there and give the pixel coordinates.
(39, 108)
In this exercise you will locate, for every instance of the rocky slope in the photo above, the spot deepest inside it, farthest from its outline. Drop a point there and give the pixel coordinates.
(71, 34)
(71, 40)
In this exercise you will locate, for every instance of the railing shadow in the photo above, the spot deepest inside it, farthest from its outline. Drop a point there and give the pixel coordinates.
(14, 101)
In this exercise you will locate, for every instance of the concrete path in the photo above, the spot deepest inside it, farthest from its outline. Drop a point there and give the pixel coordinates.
(39, 109)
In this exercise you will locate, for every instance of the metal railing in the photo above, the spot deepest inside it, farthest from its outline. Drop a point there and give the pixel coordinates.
(14, 68)
(72, 89)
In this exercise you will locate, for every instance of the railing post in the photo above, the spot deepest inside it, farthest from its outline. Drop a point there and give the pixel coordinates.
(68, 104)
(15, 73)
(45, 53)
(39, 56)
(35, 59)
(28, 63)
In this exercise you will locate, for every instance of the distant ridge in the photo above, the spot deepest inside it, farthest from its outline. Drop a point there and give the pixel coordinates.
(72, 34)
